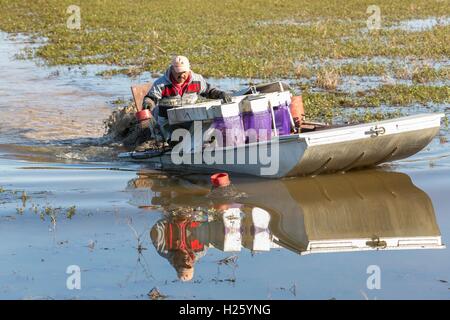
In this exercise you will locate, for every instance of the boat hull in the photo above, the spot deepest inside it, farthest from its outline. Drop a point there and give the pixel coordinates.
(313, 153)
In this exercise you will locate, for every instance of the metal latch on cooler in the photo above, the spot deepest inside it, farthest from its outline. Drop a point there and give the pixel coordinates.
(376, 131)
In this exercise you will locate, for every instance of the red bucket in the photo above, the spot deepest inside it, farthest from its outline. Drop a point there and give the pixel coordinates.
(143, 115)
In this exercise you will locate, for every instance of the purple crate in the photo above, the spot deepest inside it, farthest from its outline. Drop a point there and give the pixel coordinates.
(231, 129)
(282, 119)
(260, 122)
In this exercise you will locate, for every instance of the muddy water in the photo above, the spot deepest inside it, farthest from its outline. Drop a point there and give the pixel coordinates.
(129, 229)
(42, 104)
(59, 112)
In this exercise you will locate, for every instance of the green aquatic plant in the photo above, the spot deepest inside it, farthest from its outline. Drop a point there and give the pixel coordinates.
(406, 95)
(370, 116)
(119, 102)
(263, 44)
(50, 212)
(25, 54)
(71, 212)
(53, 213)
(446, 122)
(402, 72)
(428, 74)
(326, 105)
(155, 294)
(363, 69)
(328, 78)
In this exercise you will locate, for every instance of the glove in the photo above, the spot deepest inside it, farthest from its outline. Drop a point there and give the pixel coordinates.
(148, 104)
(226, 97)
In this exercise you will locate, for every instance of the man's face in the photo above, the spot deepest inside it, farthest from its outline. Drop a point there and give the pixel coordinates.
(182, 258)
(180, 77)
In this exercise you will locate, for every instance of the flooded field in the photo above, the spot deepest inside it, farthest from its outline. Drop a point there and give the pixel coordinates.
(129, 232)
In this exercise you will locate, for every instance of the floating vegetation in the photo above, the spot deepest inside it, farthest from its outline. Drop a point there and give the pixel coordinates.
(130, 72)
(326, 105)
(446, 122)
(155, 294)
(71, 212)
(231, 260)
(428, 74)
(363, 69)
(46, 211)
(328, 79)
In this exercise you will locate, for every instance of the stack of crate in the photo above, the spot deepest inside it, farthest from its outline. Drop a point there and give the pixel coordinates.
(225, 118)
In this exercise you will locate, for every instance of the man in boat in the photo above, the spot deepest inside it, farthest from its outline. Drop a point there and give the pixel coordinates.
(178, 86)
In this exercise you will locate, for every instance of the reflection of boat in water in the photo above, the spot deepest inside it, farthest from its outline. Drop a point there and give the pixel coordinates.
(351, 212)
(356, 211)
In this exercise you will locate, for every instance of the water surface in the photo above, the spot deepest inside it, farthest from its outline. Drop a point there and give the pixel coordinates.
(65, 200)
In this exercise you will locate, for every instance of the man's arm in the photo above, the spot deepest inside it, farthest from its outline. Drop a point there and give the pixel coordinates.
(210, 92)
(152, 97)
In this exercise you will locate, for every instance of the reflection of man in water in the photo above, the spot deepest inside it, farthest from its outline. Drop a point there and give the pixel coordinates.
(175, 239)
(183, 239)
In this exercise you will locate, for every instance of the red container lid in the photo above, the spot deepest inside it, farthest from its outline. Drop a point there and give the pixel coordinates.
(143, 115)
(220, 180)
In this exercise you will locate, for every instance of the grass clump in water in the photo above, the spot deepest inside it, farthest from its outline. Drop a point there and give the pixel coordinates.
(363, 69)
(71, 212)
(401, 95)
(328, 79)
(326, 105)
(428, 74)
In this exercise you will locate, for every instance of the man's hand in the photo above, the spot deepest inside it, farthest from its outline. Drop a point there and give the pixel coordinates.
(226, 97)
(148, 104)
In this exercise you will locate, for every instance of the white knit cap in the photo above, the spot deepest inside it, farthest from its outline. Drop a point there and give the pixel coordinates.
(180, 64)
